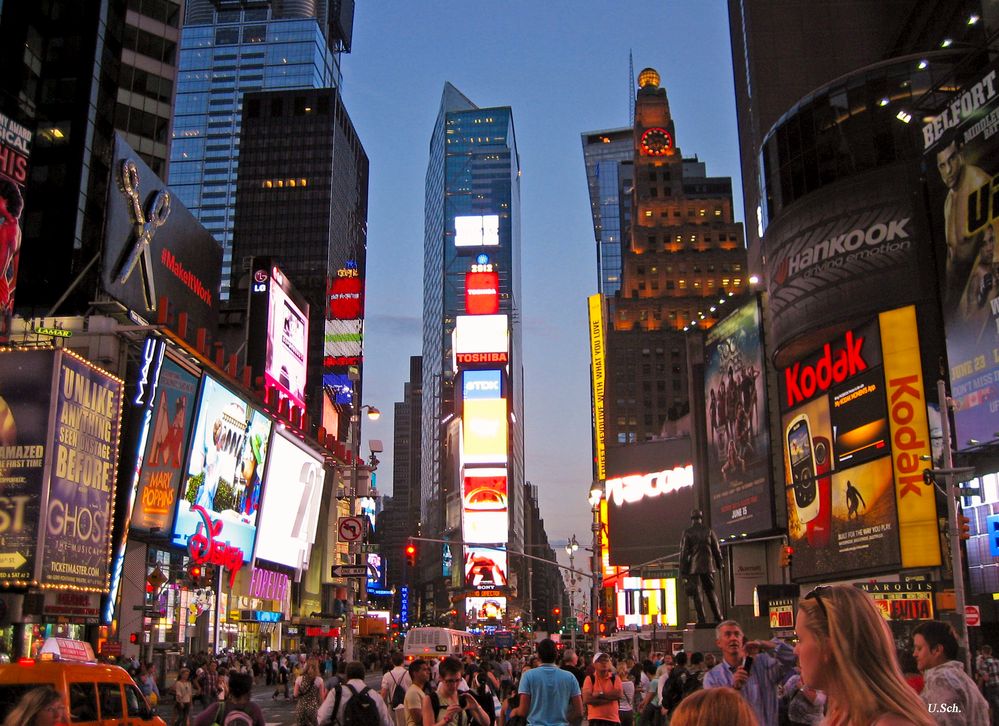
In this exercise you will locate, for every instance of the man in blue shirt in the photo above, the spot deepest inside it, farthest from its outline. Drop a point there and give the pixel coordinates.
(549, 696)
(772, 662)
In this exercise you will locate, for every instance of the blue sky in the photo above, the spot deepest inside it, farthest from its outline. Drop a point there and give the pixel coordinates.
(563, 68)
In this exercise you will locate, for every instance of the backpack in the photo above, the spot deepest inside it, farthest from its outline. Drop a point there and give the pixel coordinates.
(233, 718)
(398, 693)
(361, 709)
(308, 705)
(673, 692)
(693, 682)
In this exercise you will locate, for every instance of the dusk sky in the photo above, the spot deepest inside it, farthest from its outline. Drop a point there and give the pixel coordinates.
(563, 68)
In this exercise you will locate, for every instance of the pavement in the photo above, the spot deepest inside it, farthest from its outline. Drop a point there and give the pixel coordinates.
(277, 712)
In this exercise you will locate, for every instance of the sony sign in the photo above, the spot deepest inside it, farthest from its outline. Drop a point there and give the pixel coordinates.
(636, 487)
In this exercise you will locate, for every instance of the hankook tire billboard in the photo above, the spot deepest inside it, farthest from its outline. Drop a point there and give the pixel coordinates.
(841, 255)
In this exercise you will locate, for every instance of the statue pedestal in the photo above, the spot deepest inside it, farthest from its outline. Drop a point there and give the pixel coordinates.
(697, 637)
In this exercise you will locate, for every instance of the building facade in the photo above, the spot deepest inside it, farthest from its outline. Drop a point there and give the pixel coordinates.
(225, 52)
(472, 351)
(609, 158)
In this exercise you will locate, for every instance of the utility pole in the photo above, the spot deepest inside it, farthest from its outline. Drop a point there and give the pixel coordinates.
(596, 495)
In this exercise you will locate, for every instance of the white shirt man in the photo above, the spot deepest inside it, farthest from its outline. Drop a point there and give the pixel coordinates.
(355, 679)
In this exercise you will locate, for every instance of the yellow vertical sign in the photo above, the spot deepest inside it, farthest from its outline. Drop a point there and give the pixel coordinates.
(598, 372)
(910, 437)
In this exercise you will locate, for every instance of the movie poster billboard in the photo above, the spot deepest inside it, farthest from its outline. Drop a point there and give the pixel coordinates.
(853, 430)
(961, 150)
(277, 331)
(25, 391)
(86, 421)
(738, 466)
(15, 150)
(162, 463)
(225, 467)
(293, 490)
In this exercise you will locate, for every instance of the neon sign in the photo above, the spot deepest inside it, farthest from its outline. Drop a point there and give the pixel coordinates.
(205, 549)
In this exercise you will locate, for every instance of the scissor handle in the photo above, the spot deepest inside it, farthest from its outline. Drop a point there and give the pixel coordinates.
(130, 183)
(159, 210)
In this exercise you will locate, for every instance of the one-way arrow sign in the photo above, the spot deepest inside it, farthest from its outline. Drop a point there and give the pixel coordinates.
(349, 571)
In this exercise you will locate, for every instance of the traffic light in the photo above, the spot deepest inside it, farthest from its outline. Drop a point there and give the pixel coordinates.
(963, 527)
(196, 573)
(786, 554)
(587, 628)
(603, 627)
(556, 611)
(135, 638)
(411, 554)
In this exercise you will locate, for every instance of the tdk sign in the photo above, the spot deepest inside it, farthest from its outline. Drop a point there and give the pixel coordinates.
(481, 384)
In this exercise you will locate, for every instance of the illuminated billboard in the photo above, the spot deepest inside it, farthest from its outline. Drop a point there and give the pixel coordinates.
(738, 448)
(293, 489)
(162, 461)
(481, 384)
(277, 339)
(598, 374)
(340, 389)
(345, 296)
(485, 503)
(60, 420)
(15, 149)
(646, 602)
(476, 230)
(225, 467)
(485, 569)
(649, 487)
(854, 428)
(343, 343)
(481, 334)
(484, 609)
(961, 149)
(481, 293)
(484, 431)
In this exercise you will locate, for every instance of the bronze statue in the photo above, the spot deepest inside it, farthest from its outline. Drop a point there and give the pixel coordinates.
(700, 556)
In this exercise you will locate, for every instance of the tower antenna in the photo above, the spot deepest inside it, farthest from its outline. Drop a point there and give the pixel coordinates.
(631, 89)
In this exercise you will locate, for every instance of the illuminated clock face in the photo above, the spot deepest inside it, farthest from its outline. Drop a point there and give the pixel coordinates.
(656, 142)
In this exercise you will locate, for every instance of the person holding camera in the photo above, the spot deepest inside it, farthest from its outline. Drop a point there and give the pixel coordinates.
(754, 668)
(446, 706)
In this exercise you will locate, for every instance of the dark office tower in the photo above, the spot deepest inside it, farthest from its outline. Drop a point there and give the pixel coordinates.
(609, 158)
(400, 518)
(148, 74)
(302, 200)
(60, 65)
(781, 52)
(683, 258)
(226, 49)
(472, 371)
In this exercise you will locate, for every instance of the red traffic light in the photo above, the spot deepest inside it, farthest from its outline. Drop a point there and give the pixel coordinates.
(556, 611)
(963, 526)
(411, 554)
(135, 638)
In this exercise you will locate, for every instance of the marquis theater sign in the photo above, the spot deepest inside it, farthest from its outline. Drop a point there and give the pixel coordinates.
(155, 249)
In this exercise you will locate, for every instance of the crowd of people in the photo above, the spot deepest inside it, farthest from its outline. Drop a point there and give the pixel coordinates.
(844, 670)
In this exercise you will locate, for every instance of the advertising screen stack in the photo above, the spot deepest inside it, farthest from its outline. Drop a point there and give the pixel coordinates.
(15, 150)
(481, 346)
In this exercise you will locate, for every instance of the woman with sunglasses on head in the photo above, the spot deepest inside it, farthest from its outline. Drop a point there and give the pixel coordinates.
(846, 650)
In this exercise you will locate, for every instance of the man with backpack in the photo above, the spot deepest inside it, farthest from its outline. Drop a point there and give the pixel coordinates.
(395, 682)
(237, 709)
(354, 704)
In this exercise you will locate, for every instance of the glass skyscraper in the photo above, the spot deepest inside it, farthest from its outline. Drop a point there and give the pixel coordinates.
(608, 156)
(224, 53)
(473, 172)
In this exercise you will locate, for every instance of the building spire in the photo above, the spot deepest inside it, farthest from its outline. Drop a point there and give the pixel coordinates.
(631, 89)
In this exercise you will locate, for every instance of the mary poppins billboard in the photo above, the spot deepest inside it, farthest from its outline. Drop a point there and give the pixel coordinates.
(154, 249)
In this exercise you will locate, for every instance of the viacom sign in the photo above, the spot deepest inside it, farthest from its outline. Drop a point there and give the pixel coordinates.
(843, 254)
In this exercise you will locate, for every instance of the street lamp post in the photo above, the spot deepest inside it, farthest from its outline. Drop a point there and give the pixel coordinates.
(596, 495)
(355, 445)
(570, 549)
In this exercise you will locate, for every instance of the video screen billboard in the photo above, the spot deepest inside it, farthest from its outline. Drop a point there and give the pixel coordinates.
(277, 331)
(226, 461)
(485, 502)
(15, 150)
(476, 230)
(639, 503)
(738, 466)
(484, 431)
(484, 609)
(162, 462)
(961, 144)
(481, 293)
(856, 504)
(293, 490)
(25, 392)
(485, 569)
(86, 420)
(481, 334)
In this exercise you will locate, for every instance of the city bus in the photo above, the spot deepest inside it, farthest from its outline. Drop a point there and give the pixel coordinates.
(437, 643)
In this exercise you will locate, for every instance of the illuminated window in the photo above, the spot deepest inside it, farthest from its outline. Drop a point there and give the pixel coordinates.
(717, 212)
(268, 184)
(682, 284)
(648, 212)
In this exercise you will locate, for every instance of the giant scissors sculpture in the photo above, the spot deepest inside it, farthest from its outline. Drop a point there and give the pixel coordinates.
(145, 228)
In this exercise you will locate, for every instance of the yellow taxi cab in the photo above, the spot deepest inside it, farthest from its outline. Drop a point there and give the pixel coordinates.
(94, 694)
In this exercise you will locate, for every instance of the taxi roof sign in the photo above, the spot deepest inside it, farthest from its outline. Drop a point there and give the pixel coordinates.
(67, 649)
